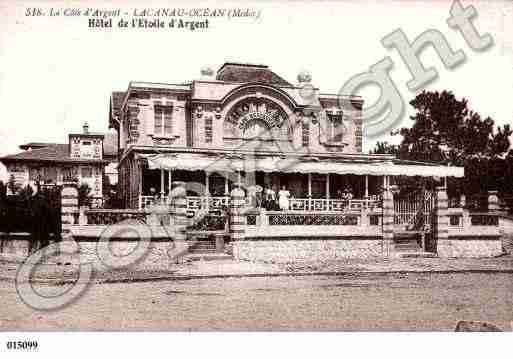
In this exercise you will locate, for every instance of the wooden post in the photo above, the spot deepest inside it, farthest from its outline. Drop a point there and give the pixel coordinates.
(226, 187)
(207, 190)
(169, 181)
(327, 186)
(140, 182)
(366, 186)
(309, 185)
(162, 183)
(207, 183)
(309, 191)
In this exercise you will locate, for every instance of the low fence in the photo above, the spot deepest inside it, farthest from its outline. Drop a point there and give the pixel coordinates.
(300, 224)
(466, 219)
(299, 218)
(110, 216)
(368, 223)
(161, 216)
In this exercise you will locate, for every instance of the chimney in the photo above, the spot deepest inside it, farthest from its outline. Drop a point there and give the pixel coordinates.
(86, 128)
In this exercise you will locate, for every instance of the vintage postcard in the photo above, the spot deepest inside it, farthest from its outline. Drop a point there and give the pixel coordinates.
(299, 166)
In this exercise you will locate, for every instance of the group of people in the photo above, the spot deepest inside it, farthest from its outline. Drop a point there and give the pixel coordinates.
(270, 200)
(346, 194)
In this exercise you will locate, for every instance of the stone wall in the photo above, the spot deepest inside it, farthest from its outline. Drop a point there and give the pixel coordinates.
(283, 251)
(455, 247)
(15, 247)
(158, 255)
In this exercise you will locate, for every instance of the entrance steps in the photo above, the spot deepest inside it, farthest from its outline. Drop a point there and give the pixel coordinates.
(407, 244)
(204, 248)
(208, 256)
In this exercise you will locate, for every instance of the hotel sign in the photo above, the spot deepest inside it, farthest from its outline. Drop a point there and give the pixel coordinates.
(270, 119)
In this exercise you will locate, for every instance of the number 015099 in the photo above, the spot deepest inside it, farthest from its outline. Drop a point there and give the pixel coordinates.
(22, 345)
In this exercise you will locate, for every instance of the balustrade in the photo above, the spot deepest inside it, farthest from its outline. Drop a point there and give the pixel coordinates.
(312, 219)
(296, 204)
(335, 205)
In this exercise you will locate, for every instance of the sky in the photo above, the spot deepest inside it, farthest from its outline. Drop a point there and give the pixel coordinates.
(56, 73)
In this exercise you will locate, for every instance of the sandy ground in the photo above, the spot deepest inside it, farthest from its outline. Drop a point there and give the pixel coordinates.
(358, 301)
(164, 271)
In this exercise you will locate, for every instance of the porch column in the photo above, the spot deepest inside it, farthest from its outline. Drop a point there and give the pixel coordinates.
(140, 179)
(207, 183)
(309, 191)
(207, 190)
(366, 186)
(226, 187)
(162, 183)
(169, 181)
(327, 186)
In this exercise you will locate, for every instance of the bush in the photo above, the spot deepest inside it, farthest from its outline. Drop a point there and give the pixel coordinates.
(83, 195)
(38, 214)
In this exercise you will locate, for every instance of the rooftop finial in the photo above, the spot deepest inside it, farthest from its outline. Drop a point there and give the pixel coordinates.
(304, 76)
(86, 128)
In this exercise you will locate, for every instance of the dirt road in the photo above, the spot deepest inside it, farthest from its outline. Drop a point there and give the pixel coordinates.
(423, 301)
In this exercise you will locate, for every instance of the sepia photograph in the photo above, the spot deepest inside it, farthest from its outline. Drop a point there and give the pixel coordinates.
(294, 167)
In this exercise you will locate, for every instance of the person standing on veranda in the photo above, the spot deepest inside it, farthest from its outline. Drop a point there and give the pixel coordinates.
(283, 199)
(269, 198)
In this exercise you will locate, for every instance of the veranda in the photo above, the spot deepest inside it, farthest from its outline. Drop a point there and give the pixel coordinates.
(309, 192)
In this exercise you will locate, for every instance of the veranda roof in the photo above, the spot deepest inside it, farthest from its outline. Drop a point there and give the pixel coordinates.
(214, 163)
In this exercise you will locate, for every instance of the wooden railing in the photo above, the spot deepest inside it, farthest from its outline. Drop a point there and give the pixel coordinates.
(197, 202)
(193, 202)
(332, 205)
(295, 204)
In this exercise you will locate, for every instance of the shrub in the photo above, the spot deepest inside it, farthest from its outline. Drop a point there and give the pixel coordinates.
(83, 195)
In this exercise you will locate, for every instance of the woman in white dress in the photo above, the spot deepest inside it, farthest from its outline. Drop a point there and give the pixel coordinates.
(283, 199)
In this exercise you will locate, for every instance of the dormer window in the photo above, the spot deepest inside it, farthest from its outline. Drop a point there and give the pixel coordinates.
(163, 120)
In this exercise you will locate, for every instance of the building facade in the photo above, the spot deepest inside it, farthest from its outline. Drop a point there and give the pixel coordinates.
(83, 159)
(247, 124)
